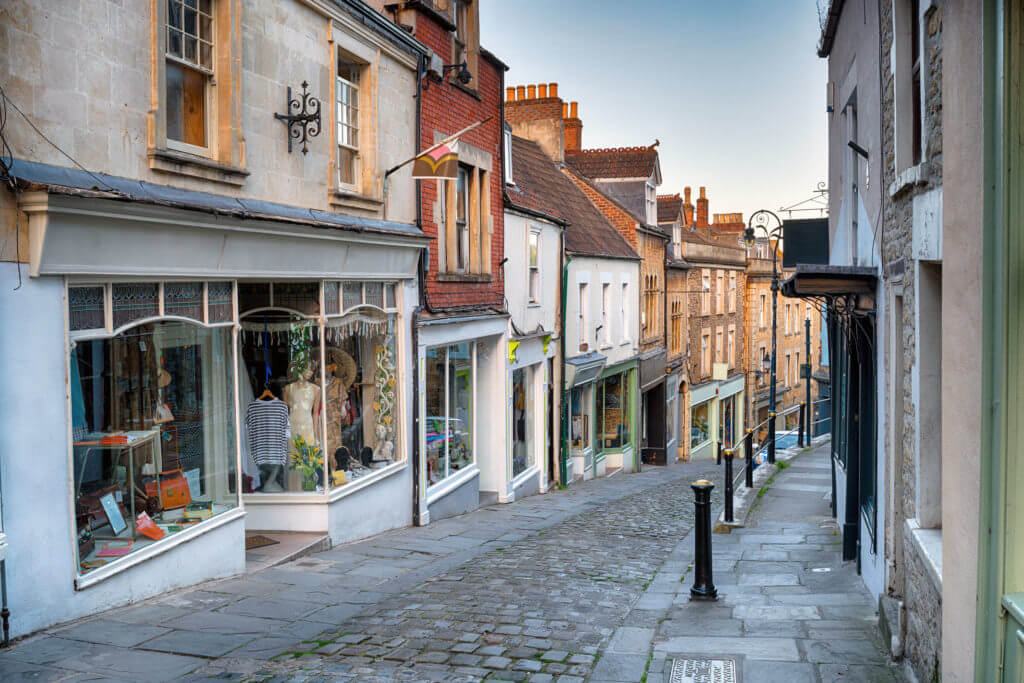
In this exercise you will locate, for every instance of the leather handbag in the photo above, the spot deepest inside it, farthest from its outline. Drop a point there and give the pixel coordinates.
(173, 491)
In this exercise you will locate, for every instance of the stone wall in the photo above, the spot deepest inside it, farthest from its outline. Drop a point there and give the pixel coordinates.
(908, 578)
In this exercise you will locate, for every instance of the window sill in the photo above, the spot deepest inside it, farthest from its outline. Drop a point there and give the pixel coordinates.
(908, 178)
(454, 481)
(83, 581)
(193, 166)
(354, 201)
(928, 543)
(464, 277)
(534, 305)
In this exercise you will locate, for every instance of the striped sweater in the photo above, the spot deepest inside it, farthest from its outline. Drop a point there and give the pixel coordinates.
(268, 431)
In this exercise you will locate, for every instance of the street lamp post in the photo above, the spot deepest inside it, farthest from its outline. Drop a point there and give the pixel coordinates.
(762, 220)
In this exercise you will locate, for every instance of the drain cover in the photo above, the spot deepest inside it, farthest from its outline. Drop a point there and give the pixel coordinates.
(703, 671)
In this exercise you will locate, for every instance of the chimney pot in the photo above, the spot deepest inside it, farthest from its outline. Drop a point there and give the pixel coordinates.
(686, 193)
(574, 112)
(520, 92)
(702, 195)
(542, 90)
(552, 90)
(510, 93)
(531, 92)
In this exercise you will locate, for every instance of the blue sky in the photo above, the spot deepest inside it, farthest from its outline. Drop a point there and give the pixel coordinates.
(733, 89)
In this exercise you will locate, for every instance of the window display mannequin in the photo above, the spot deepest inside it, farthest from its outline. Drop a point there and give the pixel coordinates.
(268, 433)
(303, 399)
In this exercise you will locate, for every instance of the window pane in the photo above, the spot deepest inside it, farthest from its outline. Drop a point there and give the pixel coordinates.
(460, 406)
(154, 430)
(389, 291)
(460, 197)
(186, 105)
(532, 255)
(135, 302)
(86, 308)
(375, 294)
(174, 43)
(332, 297)
(361, 391)
(352, 295)
(523, 441)
(614, 420)
(699, 426)
(580, 424)
(190, 49)
(346, 166)
(219, 300)
(436, 446)
(184, 299)
(303, 297)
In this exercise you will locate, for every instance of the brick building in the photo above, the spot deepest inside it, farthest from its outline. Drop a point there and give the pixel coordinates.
(716, 282)
(671, 218)
(461, 329)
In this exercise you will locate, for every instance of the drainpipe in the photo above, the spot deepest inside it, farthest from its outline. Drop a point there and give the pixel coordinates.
(563, 414)
(417, 513)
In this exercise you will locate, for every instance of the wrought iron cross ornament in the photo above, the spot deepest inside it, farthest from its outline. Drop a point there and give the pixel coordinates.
(302, 118)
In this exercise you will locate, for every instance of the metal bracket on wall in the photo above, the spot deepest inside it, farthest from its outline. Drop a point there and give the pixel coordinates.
(302, 118)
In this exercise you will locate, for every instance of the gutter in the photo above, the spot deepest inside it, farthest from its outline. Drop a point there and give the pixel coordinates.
(828, 32)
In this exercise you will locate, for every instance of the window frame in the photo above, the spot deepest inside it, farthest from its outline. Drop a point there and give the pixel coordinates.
(606, 314)
(340, 85)
(208, 75)
(471, 428)
(533, 270)
(624, 312)
(583, 289)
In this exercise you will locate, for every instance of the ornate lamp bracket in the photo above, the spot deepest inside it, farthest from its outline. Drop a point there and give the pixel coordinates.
(302, 118)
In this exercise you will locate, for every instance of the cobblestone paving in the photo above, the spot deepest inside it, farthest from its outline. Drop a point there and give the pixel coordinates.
(538, 609)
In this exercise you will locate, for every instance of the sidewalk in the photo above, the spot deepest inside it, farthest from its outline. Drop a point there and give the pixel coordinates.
(789, 608)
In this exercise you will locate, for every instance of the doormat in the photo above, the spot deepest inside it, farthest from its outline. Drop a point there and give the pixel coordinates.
(703, 671)
(258, 541)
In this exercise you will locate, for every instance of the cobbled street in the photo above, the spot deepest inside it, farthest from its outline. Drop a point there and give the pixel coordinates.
(532, 590)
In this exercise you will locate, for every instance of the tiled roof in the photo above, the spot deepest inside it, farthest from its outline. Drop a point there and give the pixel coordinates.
(669, 207)
(615, 162)
(540, 186)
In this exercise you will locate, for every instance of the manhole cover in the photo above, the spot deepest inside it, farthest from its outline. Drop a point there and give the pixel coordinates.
(703, 671)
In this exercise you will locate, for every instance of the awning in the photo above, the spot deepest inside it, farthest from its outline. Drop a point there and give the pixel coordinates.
(830, 281)
(854, 283)
(583, 369)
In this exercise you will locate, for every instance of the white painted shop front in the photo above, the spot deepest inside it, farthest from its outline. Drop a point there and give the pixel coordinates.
(144, 445)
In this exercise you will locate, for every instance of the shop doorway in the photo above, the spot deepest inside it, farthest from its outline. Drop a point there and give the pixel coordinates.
(653, 450)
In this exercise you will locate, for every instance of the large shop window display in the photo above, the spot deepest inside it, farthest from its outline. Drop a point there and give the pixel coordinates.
(700, 428)
(320, 396)
(151, 368)
(449, 409)
(613, 411)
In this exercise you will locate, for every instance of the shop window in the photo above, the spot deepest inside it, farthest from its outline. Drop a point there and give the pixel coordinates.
(579, 409)
(613, 412)
(189, 67)
(726, 422)
(347, 116)
(153, 423)
(305, 372)
(700, 427)
(523, 439)
(449, 406)
(533, 265)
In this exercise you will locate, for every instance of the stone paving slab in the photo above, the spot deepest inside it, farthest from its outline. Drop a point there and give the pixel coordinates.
(790, 609)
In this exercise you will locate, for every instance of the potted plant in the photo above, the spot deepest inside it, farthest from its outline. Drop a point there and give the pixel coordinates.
(308, 459)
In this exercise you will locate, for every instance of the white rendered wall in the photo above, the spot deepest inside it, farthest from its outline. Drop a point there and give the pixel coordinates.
(543, 314)
(594, 271)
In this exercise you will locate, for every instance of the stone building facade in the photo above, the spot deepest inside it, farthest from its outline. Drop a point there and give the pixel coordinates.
(911, 184)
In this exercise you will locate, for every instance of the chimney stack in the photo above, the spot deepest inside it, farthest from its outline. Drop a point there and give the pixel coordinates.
(687, 208)
(573, 128)
(702, 210)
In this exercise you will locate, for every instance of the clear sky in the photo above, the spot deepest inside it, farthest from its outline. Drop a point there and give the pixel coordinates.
(733, 89)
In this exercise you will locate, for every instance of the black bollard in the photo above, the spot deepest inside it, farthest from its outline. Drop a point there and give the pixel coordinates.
(703, 587)
(749, 453)
(718, 453)
(800, 429)
(728, 485)
(771, 437)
